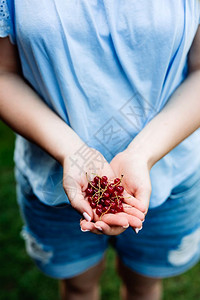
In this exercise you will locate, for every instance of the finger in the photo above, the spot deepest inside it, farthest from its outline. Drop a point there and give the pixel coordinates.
(109, 230)
(134, 221)
(77, 199)
(102, 226)
(133, 211)
(89, 227)
(133, 201)
(118, 219)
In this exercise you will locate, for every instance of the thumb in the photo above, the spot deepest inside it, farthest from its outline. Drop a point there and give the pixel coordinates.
(76, 198)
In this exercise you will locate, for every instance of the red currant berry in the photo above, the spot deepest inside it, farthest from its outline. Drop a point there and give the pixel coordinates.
(117, 181)
(120, 208)
(119, 202)
(115, 194)
(119, 189)
(100, 206)
(104, 178)
(112, 211)
(110, 189)
(113, 205)
(106, 195)
(89, 191)
(93, 204)
(95, 198)
(99, 211)
(106, 208)
(96, 179)
(102, 202)
(93, 183)
(104, 184)
(107, 202)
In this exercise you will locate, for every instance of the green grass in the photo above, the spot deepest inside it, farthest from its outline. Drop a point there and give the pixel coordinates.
(20, 279)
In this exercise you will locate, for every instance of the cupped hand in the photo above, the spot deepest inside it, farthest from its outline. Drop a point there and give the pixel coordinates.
(136, 178)
(89, 161)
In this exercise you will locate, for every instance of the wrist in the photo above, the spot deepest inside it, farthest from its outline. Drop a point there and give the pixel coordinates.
(69, 153)
(141, 153)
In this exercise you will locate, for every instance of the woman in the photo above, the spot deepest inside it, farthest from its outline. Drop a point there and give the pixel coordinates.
(109, 88)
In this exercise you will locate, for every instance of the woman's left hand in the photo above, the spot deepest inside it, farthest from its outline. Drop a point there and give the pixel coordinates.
(136, 178)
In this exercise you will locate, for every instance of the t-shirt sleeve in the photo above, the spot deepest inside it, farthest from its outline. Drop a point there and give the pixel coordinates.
(7, 20)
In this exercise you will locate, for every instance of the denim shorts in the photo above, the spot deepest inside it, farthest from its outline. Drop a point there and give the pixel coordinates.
(168, 244)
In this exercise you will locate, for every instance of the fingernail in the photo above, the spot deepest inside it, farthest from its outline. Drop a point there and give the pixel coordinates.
(126, 226)
(87, 217)
(143, 221)
(99, 228)
(138, 229)
(84, 230)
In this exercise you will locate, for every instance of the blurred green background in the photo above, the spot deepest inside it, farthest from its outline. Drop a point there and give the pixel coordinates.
(20, 279)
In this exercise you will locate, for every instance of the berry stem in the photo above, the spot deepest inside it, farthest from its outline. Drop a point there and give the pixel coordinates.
(105, 212)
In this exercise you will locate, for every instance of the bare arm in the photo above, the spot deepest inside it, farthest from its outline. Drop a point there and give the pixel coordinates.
(178, 119)
(22, 109)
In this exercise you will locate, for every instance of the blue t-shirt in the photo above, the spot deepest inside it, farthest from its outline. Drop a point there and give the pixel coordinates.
(106, 67)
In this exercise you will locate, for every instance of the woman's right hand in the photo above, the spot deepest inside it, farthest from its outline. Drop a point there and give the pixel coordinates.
(75, 166)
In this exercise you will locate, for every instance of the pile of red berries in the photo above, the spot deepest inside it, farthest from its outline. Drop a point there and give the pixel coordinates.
(104, 196)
